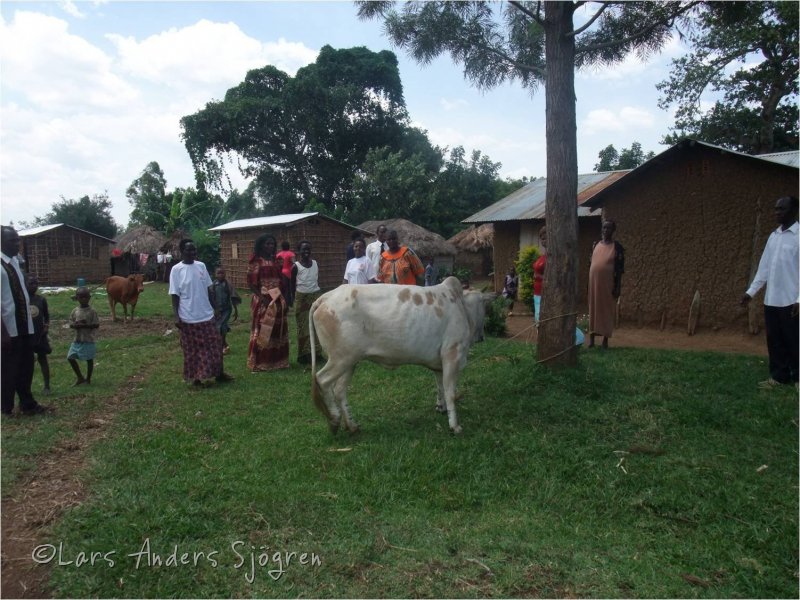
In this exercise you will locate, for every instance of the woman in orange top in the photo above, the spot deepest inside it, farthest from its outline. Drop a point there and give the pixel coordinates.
(399, 264)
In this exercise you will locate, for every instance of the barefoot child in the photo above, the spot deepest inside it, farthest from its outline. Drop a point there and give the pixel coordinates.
(41, 324)
(84, 321)
(226, 301)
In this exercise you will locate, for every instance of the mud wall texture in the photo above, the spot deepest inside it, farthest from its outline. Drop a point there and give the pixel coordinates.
(697, 222)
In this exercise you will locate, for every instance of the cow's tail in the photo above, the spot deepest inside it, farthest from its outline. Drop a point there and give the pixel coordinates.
(316, 391)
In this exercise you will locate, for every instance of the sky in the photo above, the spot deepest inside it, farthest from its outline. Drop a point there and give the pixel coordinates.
(91, 92)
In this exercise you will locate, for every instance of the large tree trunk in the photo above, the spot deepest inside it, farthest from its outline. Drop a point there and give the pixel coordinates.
(556, 345)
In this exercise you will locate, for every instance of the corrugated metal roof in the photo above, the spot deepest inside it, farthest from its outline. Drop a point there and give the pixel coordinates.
(529, 202)
(44, 228)
(38, 230)
(264, 221)
(789, 158)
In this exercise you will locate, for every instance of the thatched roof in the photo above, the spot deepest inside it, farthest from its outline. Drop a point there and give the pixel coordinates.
(141, 240)
(423, 242)
(474, 239)
(170, 246)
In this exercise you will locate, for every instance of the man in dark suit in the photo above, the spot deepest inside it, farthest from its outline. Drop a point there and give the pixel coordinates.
(16, 358)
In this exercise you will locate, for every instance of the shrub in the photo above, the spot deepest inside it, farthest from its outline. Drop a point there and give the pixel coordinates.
(496, 313)
(524, 265)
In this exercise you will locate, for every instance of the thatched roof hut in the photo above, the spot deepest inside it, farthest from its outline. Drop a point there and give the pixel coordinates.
(475, 247)
(422, 241)
(474, 239)
(172, 244)
(141, 240)
(425, 243)
(136, 251)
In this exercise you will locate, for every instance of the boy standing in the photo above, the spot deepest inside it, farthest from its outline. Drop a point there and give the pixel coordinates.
(226, 301)
(84, 321)
(41, 325)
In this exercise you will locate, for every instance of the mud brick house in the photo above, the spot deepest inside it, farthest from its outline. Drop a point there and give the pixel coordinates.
(518, 217)
(328, 237)
(695, 218)
(59, 254)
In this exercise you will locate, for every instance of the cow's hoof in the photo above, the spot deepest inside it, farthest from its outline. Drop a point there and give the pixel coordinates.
(353, 428)
(334, 427)
(441, 409)
(457, 430)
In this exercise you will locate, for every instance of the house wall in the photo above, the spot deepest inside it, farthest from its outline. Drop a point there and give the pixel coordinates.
(328, 241)
(697, 223)
(506, 250)
(480, 263)
(60, 256)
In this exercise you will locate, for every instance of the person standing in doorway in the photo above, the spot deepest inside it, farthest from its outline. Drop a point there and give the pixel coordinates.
(778, 270)
(16, 358)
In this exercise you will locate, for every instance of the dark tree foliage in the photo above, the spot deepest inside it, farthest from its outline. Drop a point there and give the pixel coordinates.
(748, 52)
(147, 195)
(90, 214)
(628, 158)
(537, 43)
(304, 137)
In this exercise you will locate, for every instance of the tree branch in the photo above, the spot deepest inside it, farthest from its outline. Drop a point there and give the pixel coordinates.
(641, 33)
(586, 26)
(523, 10)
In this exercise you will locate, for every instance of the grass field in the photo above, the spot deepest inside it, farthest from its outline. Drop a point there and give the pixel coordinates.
(638, 474)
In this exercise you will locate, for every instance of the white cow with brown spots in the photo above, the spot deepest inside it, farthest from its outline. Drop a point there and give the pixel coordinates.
(392, 325)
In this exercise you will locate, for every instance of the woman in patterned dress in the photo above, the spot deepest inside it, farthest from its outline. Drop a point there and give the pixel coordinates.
(269, 331)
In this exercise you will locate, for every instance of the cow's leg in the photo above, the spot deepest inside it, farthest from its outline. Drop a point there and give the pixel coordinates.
(125, 308)
(113, 306)
(326, 380)
(340, 390)
(440, 402)
(133, 307)
(450, 371)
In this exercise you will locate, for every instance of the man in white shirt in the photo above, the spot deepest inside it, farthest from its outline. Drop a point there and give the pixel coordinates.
(376, 248)
(778, 269)
(17, 326)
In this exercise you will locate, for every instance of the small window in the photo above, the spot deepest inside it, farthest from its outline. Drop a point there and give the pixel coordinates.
(235, 250)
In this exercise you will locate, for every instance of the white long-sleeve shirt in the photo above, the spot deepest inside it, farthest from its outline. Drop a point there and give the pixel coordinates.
(373, 253)
(9, 307)
(778, 269)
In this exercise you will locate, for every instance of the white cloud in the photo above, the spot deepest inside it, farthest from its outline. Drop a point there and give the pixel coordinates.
(68, 6)
(450, 105)
(625, 119)
(56, 70)
(205, 53)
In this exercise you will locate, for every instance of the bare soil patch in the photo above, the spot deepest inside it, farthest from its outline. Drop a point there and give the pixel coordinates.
(520, 328)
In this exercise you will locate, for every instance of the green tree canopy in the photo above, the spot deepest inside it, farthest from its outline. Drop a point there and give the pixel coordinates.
(537, 43)
(748, 52)
(148, 196)
(303, 138)
(90, 214)
(628, 158)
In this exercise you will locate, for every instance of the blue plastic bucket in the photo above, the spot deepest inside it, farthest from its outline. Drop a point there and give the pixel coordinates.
(81, 282)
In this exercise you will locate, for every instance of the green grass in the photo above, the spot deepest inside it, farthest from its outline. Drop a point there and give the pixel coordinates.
(615, 479)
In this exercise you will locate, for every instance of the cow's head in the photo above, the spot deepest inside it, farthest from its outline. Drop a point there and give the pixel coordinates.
(137, 281)
(475, 303)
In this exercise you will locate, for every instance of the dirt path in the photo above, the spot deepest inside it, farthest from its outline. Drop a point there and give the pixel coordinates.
(520, 327)
(52, 486)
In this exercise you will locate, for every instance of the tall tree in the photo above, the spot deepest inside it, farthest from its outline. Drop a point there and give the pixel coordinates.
(90, 214)
(148, 196)
(537, 43)
(748, 52)
(303, 137)
(628, 158)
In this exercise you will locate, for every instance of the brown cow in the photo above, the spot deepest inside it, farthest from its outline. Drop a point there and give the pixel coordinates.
(124, 290)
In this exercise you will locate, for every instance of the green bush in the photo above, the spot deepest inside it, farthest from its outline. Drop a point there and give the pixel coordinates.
(496, 313)
(524, 265)
(463, 273)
